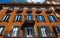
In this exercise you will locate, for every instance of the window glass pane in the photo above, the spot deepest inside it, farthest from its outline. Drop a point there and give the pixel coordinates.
(41, 18)
(18, 18)
(15, 31)
(52, 18)
(6, 18)
(29, 17)
(43, 31)
(29, 31)
(11, 8)
(57, 29)
(29, 11)
(1, 8)
(1, 29)
(48, 11)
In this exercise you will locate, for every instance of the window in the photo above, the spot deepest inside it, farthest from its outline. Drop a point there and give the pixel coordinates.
(15, 31)
(43, 31)
(6, 18)
(18, 18)
(11, 8)
(29, 17)
(52, 18)
(19, 9)
(16, 8)
(29, 10)
(8, 11)
(1, 7)
(57, 10)
(48, 11)
(40, 18)
(38, 10)
(1, 29)
(29, 31)
(58, 18)
(57, 30)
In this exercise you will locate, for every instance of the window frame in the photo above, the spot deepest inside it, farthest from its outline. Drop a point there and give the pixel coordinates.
(17, 31)
(20, 19)
(55, 20)
(26, 31)
(2, 30)
(56, 29)
(4, 18)
(39, 19)
(40, 33)
(27, 17)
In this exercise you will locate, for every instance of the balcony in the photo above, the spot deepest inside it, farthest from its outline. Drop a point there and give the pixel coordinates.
(56, 30)
(28, 32)
(14, 33)
(44, 32)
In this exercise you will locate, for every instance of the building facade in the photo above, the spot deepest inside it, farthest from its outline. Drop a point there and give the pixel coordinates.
(29, 19)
